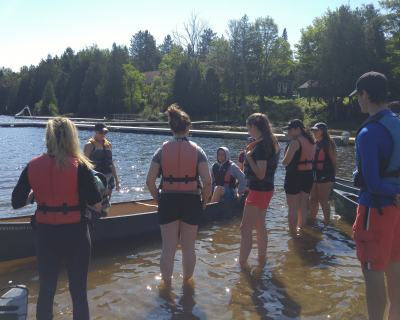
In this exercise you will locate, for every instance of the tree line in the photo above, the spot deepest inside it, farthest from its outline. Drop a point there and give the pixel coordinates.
(210, 75)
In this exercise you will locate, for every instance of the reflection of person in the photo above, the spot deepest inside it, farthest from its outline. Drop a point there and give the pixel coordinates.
(324, 170)
(242, 154)
(99, 150)
(377, 226)
(262, 157)
(298, 159)
(181, 162)
(224, 174)
(57, 179)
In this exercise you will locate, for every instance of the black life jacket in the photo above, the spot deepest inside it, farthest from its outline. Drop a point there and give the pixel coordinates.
(101, 155)
(223, 177)
(272, 164)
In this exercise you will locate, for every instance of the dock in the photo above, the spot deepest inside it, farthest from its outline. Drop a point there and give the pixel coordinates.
(151, 130)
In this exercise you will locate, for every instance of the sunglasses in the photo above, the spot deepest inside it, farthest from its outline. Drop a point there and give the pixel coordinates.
(103, 132)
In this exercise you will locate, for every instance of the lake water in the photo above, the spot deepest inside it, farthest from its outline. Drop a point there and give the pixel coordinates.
(315, 275)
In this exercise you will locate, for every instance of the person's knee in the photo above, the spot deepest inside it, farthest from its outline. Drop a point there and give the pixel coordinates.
(219, 190)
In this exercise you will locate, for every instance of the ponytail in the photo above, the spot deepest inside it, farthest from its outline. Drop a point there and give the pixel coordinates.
(178, 120)
(262, 123)
(306, 132)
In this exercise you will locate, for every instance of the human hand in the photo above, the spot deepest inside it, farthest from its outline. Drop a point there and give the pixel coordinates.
(29, 199)
(249, 153)
(204, 205)
(396, 200)
(239, 197)
(117, 186)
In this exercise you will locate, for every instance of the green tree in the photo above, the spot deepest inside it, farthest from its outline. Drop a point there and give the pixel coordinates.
(49, 101)
(134, 83)
(144, 52)
(167, 45)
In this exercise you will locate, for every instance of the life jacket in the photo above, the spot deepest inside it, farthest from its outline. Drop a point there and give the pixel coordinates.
(101, 155)
(103, 188)
(304, 157)
(321, 161)
(389, 170)
(272, 164)
(56, 190)
(179, 159)
(222, 177)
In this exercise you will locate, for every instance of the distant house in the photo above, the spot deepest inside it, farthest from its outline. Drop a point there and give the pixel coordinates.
(304, 89)
(151, 74)
(282, 85)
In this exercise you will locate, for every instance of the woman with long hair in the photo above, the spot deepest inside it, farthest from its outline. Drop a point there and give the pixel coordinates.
(324, 168)
(261, 160)
(180, 204)
(62, 185)
(298, 160)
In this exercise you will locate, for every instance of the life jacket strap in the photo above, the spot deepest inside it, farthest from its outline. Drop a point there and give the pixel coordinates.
(186, 179)
(64, 209)
(390, 174)
(305, 162)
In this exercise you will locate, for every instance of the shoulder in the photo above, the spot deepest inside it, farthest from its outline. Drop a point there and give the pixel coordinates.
(202, 156)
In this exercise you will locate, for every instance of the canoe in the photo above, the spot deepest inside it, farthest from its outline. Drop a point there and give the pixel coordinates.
(14, 302)
(345, 204)
(345, 185)
(125, 220)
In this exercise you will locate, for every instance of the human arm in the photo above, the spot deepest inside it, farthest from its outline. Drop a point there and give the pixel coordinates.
(87, 150)
(87, 184)
(204, 173)
(241, 161)
(293, 147)
(374, 141)
(22, 191)
(114, 172)
(151, 180)
(235, 171)
(333, 157)
(259, 167)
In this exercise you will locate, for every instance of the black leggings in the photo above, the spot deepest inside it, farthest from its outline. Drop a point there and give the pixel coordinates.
(53, 243)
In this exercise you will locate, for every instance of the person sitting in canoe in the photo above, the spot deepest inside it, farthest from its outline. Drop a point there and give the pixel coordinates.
(324, 170)
(224, 174)
(180, 162)
(63, 185)
(99, 150)
(101, 183)
(377, 227)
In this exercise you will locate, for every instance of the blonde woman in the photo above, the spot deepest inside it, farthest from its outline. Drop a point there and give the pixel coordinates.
(56, 179)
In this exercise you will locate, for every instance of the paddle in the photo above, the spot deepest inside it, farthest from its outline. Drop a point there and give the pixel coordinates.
(145, 204)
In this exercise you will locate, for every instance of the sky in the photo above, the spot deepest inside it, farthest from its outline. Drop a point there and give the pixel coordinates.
(32, 29)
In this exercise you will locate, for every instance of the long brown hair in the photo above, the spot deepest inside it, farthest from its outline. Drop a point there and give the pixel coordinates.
(262, 123)
(306, 132)
(178, 119)
(328, 142)
(62, 141)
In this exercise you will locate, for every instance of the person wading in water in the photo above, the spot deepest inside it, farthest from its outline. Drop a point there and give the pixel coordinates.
(99, 150)
(377, 226)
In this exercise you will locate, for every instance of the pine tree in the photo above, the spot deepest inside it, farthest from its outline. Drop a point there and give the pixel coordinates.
(284, 35)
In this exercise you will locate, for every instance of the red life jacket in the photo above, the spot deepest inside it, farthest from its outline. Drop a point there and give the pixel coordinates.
(179, 165)
(306, 157)
(323, 162)
(55, 190)
(307, 154)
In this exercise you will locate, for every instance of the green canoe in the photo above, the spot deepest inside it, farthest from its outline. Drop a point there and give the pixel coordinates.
(345, 185)
(125, 220)
(345, 204)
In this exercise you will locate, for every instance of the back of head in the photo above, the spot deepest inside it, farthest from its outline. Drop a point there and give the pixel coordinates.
(62, 141)
(262, 123)
(178, 120)
(394, 106)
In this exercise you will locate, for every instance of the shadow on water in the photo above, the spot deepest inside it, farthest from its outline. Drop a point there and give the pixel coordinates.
(178, 306)
(257, 289)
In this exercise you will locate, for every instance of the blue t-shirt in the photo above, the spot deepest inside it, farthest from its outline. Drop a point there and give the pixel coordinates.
(375, 140)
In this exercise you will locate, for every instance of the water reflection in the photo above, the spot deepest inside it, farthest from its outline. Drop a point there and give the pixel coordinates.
(310, 276)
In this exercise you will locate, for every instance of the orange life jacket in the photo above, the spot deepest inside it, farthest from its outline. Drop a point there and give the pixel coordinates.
(307, 154)
(55, 190)
(322, 161)
(306, 157)
(179, 165)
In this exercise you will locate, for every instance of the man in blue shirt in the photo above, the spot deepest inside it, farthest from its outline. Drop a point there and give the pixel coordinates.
(377, 226)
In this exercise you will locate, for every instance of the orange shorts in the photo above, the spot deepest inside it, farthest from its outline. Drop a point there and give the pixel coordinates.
(377, 237)
(259, 199)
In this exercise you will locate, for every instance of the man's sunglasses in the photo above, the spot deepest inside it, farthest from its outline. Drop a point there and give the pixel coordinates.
(103, 132)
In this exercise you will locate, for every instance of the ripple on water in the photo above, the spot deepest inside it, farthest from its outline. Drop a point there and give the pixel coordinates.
(311, 276)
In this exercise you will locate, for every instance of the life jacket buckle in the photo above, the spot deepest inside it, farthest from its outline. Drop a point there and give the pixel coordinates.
(44, 207)
(186, 179)
(65, 211)
(170, 179)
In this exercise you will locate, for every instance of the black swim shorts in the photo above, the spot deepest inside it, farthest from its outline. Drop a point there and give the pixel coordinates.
(180, 206)
(298, 181)
(324, 176)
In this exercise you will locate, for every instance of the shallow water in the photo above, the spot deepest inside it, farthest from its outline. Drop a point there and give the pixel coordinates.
(315, 275)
